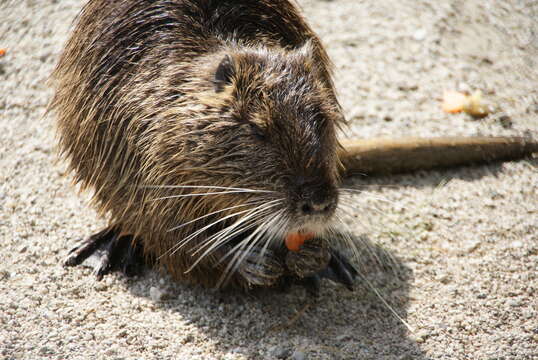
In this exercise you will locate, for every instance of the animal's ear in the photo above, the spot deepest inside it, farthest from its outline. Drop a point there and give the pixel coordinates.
(224, 73)
(306, 49)
(307, 53)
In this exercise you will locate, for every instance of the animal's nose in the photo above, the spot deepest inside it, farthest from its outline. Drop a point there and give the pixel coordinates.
(309, 207)
(314, 196)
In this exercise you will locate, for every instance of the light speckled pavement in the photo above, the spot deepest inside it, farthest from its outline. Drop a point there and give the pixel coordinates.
(464, 242)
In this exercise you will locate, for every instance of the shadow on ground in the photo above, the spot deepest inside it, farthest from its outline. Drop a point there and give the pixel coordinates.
(433, 178)
(340, 324)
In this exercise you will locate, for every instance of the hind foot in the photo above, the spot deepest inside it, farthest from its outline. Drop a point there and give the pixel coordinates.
(111, 251)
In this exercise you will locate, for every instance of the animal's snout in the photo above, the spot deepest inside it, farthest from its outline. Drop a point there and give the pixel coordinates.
(315, 197)
(309, 207)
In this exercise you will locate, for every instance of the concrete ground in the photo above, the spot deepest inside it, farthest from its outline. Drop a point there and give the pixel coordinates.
(463, 243)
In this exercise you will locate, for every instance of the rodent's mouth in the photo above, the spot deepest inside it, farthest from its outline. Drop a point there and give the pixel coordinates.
(304, 231)
(316, 228)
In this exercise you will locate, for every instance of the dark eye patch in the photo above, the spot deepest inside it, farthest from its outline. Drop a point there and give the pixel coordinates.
(224, 73)
(258, 131)
(315, 119)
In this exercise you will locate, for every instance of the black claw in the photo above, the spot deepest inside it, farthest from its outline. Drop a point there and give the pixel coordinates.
(106, 256)
(112, 252)
(340, 270)
(134, 258)
(87, 247)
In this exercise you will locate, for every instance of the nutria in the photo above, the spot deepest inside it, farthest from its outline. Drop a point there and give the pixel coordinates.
(207, 131)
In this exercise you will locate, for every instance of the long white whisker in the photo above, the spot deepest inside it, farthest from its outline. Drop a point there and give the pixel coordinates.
(368, 194)
(223, 237)
(224, 234)
(238, 249)
(202, 194)
(250, 214)
(249, 211)
(379, 186)
(184, 241)
(351, 243)
(220, 241)
(215, 212)
(348, 203)
(349, 240)
(345, 210)
(210, 225)
(228, 232)
(279, 233)
(347, 237)
(373, 288)
(409, 327)
(203, 187)
(259, 230)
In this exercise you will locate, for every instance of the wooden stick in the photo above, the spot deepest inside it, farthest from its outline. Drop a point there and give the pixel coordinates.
(381, 156)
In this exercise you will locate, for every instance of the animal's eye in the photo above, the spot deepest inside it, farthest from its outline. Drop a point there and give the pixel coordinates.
(319, 119)
(258, 131)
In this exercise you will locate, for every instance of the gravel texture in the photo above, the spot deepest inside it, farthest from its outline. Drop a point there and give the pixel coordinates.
(463, 244)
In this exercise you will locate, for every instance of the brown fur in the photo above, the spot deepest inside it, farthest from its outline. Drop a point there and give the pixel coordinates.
(139, 105)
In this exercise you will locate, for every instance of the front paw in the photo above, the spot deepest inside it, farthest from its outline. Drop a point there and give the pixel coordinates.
(261, 269)
(316, 260)
(312, 257)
